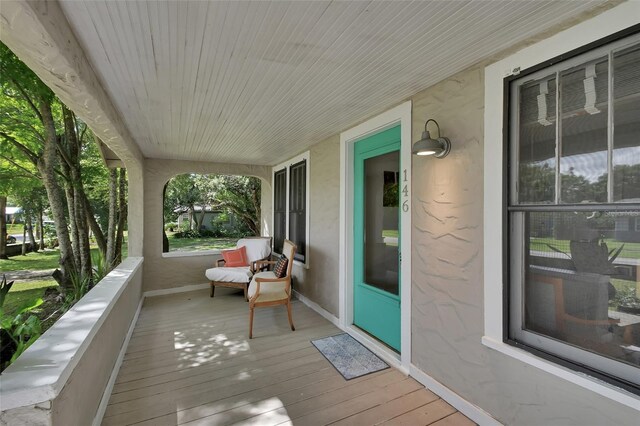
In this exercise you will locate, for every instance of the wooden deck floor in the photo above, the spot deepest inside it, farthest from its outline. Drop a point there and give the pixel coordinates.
(189, 361)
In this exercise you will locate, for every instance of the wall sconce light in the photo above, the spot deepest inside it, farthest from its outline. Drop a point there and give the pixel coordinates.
(439, 147)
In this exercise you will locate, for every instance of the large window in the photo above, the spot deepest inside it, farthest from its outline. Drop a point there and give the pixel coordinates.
(574, 198)
(290, 214)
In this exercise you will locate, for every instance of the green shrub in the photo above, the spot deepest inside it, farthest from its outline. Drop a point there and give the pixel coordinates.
(187, 234)
(80, 285)
(18, 330)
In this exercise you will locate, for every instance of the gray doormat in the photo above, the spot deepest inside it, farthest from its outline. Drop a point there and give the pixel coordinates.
(348, 356)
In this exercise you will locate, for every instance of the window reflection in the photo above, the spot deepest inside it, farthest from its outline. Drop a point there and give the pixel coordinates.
(582, 280)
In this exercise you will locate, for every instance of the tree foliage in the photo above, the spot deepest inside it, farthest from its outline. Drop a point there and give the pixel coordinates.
(232, 195)
(45, 148)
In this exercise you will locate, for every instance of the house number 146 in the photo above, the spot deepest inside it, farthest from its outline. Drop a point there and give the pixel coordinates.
(405, 192)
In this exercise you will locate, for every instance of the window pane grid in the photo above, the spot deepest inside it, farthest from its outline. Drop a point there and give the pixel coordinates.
(297, 207)
(574, 205)
(279, 209)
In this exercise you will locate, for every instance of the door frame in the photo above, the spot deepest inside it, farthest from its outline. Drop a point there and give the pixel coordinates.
(401, 114)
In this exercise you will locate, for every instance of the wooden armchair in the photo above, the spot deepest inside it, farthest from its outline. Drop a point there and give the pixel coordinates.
(258, 248)
(266, 289)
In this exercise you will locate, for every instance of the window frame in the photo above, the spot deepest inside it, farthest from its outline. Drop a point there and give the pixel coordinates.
(562, 353)
(615, 22)
(287, 165)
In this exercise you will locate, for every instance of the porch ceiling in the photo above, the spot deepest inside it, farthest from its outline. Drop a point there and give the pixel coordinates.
(242, 82)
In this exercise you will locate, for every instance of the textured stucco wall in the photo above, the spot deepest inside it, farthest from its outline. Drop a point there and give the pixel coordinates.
(320, 282)
(168, 272)
(447, 271)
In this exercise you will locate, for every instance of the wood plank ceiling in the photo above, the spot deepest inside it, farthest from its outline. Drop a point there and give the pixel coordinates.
(259, 82)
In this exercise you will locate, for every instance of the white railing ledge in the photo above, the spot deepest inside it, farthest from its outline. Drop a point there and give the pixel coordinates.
(41, 372)
(191, 253)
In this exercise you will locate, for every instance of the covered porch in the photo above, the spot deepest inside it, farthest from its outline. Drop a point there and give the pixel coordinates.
(248, 89)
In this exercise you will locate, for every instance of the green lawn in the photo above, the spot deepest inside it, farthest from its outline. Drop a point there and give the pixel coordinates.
(41, 260)
(29, 291)
(199, 244)
(47, 259)
(16, 228)
(24, 291)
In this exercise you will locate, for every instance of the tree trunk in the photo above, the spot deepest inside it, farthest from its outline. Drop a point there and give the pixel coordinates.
(41, 228)
(200, 220)
(3, 227)
(83, 233)
(68, 191)
(111, 231)
(94, 226)
(46, 167)
(79, 226)
(122, 215)
(32, 238)
(24, 240)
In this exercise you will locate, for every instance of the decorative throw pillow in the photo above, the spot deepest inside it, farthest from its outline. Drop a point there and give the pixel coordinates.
(281, 267)
(237, 257)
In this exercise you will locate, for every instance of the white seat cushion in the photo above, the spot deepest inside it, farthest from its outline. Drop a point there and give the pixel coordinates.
(268, 291)
(257, 248)
(240, 274)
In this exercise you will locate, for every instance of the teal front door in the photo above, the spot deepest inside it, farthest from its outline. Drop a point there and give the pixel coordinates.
(376, 236)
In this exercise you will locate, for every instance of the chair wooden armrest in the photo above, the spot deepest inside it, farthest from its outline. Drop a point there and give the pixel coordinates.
(261, 264)
(220, 262)
(271, 280)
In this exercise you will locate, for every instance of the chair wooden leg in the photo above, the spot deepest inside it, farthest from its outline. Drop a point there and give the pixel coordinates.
(213, 287)
(246, 298)
(290, 318)
(251, 322)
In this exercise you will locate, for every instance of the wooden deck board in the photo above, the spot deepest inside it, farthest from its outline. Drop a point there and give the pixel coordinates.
(189, 361)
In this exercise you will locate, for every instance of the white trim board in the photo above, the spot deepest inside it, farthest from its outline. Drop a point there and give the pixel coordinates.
(470, 410)
(400, 114)
(317, 308)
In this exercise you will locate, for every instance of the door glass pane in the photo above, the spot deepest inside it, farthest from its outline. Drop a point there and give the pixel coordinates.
(583, 163)
(626, 119)
(537, 142)
(381, 217)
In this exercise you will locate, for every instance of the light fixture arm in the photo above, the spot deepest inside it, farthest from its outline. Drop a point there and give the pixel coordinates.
(434, 121)
(438, 147)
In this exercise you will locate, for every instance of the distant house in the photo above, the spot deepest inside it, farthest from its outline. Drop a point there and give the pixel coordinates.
(628, 229)
(12, 214)
(210, 216)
